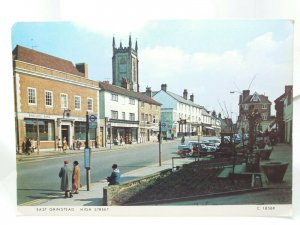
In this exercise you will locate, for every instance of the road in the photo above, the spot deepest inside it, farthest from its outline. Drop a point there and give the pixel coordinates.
(39, 178)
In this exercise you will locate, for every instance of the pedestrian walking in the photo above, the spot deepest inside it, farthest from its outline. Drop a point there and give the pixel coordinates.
(76, 177)
(114, 178)
(182, 140)
(65, 174)
(65, 145)
(24, 146)
(33, 145)
(121, 140)
(27, 146)
(59, 145)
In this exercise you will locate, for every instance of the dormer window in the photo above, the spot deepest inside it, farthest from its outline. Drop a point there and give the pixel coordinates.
(255, 98)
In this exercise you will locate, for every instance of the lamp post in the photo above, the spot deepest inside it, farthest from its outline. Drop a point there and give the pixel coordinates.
(198, 150)
(240, 119)
(159, 143)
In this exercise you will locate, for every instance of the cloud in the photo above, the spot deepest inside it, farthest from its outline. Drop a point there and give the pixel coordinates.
(211, 76)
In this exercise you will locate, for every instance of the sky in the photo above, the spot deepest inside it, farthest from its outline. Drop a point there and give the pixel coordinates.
(262, 49)
(209, 58)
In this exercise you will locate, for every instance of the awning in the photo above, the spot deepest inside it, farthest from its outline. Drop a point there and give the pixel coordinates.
(209, 128)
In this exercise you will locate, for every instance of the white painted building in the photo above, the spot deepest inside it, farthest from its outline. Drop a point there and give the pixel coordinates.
(179, 115)
(119, 109)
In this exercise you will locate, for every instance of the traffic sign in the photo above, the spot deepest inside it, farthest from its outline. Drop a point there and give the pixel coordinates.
(92, 118)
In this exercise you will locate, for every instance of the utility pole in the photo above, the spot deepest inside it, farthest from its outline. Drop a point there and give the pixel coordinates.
(87, 154)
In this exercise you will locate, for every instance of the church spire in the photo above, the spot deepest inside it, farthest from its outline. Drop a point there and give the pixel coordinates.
(114, 44)
(129, 40)
(136, 46)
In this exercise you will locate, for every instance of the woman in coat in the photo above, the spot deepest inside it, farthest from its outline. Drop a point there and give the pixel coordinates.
(65, 145)
(65, 174)
(76, 177)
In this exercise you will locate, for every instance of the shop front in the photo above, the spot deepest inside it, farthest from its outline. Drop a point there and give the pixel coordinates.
(46, 130)
(119, 132)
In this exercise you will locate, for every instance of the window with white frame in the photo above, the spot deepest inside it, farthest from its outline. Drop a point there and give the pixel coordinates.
(131, 101)
(131, 116)
(77, 102)
(264, 106)
(114, 114)
(114, 97)
(49, 98)
(64, 101)
(90, 104)
(142, 104)
(31, 96)
(123, 116)
(264, 116)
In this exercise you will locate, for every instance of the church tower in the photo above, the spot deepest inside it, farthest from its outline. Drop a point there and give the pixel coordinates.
(125, 65)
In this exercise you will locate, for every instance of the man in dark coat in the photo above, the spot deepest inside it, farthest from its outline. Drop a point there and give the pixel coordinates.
(27, 146)
(114, 178)
(65, 174)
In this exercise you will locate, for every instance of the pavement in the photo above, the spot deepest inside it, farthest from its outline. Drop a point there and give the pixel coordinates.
(94, 197)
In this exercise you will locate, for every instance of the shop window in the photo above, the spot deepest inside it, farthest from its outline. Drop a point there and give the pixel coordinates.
(80, 131)
(44, 129)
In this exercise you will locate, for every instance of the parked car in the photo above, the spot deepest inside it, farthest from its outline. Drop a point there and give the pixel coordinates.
(215, 142)
(237, 138)
(191, 149)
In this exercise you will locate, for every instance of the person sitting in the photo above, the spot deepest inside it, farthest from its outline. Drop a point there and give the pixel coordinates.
(114, 178)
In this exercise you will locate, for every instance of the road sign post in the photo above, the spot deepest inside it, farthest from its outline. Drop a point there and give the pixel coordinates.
(87, 165)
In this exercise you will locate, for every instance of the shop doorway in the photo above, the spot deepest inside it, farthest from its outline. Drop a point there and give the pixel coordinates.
(65, 133)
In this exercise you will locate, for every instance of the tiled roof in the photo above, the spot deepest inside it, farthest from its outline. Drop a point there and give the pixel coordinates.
(180, 99)
(263, 99)
(41, 59)
(122, 91)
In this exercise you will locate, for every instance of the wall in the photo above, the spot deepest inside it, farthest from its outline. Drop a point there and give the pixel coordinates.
(122, 105)
(110, 192)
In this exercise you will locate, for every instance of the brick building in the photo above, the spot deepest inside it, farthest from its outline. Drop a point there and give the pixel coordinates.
(283, 107)
(52, 97)
(257, 102)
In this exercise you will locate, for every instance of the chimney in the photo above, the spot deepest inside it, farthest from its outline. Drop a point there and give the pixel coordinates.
(287, 88)
(185, 94)
(246, 93)
(83, 68)
(192, 97)
(164, 87)
(148, 92)
(125, 84)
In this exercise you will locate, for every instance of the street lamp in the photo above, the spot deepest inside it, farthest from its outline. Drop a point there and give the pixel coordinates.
(108, 125)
